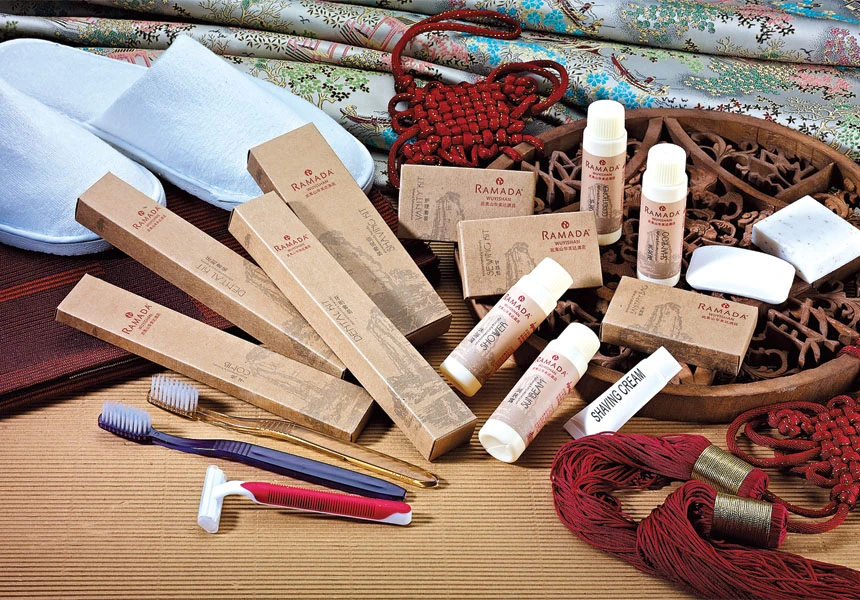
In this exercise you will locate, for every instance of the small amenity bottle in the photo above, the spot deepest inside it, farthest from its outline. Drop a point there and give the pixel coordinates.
(604, 149)
(663, 208)
(538, 393)
(508, 324)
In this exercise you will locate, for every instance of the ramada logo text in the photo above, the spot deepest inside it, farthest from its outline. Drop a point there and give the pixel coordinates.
(602, 166)
(517, 305)
(135, 320)
(146, 216)
(552, 365)
(500, 189)
(724, 309)
(565, 233)
(311, 179)
(291, 243)
(662, 212)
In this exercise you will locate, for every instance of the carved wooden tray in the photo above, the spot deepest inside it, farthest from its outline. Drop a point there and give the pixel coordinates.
(741, 169)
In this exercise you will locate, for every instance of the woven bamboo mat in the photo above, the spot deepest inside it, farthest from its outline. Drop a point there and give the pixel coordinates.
(87, 514)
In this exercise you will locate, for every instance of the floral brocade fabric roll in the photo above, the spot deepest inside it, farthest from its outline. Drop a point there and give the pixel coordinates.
(794, 63)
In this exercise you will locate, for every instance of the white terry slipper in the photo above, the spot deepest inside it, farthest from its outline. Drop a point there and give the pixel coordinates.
(191, 117)
(46, 162)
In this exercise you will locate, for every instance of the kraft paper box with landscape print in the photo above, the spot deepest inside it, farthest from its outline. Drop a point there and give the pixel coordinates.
(394, 373)
(495, 253)
(695, 328)
(306, 173)
(223, 361)
(434, 200)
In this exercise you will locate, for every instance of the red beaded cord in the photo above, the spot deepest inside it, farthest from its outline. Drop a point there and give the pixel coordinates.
(820, 443)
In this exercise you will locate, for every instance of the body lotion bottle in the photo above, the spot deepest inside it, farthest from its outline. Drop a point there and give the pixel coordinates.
(662, 211)
(538, 393)
(508, 324)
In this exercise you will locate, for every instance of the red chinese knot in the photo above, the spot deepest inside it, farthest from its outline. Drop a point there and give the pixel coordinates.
(467, 124)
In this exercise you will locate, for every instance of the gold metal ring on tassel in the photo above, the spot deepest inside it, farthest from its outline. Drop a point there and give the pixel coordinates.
(741, 519)
(726, 472)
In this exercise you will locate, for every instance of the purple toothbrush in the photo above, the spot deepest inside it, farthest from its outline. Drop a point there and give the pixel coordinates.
(136, 425)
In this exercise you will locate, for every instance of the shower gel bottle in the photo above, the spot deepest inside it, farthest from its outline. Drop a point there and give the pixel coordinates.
(508, 324)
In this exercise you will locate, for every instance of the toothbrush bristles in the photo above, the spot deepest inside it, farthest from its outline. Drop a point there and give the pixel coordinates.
(172, 394)
(126, 421)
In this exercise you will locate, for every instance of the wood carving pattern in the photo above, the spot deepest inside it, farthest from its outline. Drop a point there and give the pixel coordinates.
(805, 331)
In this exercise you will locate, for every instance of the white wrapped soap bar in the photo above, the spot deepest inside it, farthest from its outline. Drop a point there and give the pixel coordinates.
(740, 272)
(810, 237)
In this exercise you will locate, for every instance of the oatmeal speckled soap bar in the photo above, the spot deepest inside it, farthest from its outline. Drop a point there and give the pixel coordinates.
(809, 236)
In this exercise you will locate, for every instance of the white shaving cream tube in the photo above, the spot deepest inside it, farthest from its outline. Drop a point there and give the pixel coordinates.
(612, 409)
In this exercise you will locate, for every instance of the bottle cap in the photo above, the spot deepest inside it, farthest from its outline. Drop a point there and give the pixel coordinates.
(578, 344)
(667, 165)
(460, 377)
(606, 120)
(551, 276)
(501, 441)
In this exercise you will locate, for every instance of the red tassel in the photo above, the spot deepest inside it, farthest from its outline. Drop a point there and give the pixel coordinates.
(673, 456)
(669, 542)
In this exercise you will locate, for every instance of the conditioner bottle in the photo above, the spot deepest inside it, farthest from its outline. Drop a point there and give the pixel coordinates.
(663, 208)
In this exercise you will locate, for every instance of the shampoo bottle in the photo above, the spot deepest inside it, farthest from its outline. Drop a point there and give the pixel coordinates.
(604, 149)
(663, 208)
(508, 324)
(538, 393)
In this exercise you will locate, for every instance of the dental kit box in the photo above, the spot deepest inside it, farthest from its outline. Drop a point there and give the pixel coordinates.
(400, 380)
(204, 268)
(433, 200)
(306, 173)
(495, 253)
(697, 329)
(225, 362)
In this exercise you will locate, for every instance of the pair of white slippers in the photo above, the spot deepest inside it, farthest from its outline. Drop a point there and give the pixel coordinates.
(67, 117)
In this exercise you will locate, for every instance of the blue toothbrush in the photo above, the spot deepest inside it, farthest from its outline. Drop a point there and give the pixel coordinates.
(136, 425)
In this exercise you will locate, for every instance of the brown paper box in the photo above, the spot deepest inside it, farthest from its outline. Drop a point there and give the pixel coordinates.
(252, 373)
(697, 329)
(204, 268)
(303, 169)
(387, 365)
(433, 200)
(495, 253)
